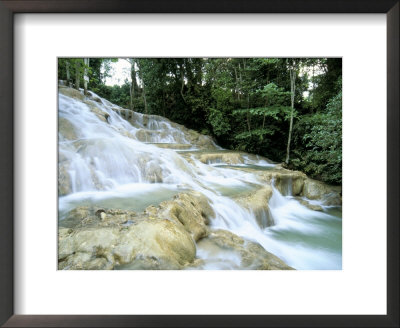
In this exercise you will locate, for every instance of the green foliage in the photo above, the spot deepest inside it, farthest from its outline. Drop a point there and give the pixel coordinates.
(219, 122)
(319, 139)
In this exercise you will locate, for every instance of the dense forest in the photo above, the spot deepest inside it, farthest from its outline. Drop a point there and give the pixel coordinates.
(286, 109)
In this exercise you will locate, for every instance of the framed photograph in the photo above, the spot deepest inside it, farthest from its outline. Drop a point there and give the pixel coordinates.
(214, 164)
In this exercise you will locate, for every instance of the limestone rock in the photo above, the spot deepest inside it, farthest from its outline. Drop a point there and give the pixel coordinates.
(192, 210)
(66, 129)
(312, 207)
(145, 135)
(64, 180)
(105, 245)
(313, 189)
(286, 181)
(173, 146)
(160, 238)
(257, 202)
(222, 157)
(153, 126)
(73, 93)
(101, 114)
(252, 255)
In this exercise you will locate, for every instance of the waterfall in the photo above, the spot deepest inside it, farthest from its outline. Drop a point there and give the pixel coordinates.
(114, 157)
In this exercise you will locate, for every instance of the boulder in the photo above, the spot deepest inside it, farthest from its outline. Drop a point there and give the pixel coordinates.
(106, 240)
(288, 182)
(257, 202)
(161, 237)
(313, 189)
(192, 210)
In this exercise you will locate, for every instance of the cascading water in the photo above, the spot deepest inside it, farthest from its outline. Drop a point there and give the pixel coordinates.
(112, 160)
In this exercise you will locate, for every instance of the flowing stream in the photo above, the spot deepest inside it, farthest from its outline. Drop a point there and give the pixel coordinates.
(116, 163)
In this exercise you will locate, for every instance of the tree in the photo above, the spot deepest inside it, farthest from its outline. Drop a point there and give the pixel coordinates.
(319, 142)
(141, 63)
(77, 73)
(131, 61)
(85, 75)
(293, 73)
(67, 65)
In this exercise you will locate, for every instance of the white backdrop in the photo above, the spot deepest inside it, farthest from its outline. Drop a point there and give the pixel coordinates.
(360, 288)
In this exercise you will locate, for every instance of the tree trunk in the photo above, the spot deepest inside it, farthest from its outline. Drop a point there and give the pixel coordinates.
(266, 104)
(77, 74)
(164, 105)
(144, 98)
(292, 90)
(133, 79)
(131, 97)
(313, 88)
(182, 81)
(85, 75)
(240, 85)
(237, 83)
(144, 87)
(248, 112)
(68, 75)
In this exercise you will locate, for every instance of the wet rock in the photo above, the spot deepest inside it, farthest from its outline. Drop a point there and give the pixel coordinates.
(154, 127)
(313, 189)
(312, 207)
(161, 237)
(296, 183)
(252, 255)
(332, 199)
(104, 246)
(288, 182)
(257, 202)
(148, 263)
(127, 134)
(73, 93)
(173, 145)
(64, 180)
(126, 113)
(145, 135)
(222, 157)
(201, 141)
(92, 101)
(66, 129)
(95, 98)
(192, 210)
(153, 172)
(93, 238)
(101, 114)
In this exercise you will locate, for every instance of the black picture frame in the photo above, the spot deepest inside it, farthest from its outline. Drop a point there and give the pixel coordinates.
(10, 7)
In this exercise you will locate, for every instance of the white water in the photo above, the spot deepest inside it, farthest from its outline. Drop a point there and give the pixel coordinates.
(110, 163)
